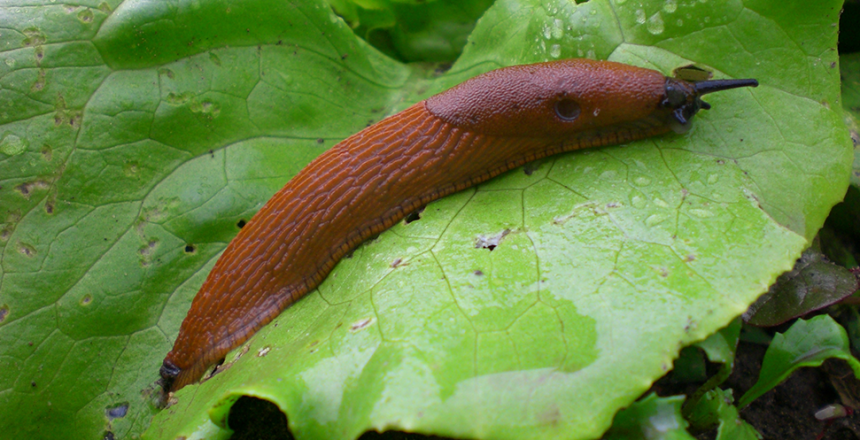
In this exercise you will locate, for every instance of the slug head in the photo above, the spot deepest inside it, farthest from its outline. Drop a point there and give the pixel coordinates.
(684, 99)
(573, 98)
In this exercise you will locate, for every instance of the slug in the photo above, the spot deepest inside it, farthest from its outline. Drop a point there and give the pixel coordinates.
(365, 184)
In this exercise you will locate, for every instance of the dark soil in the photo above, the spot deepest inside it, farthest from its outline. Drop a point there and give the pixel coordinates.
(788, 411)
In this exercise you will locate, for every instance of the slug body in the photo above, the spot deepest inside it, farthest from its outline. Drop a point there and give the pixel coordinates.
(368, 182)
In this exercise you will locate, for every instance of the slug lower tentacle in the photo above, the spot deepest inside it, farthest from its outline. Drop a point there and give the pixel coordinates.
(370, 181)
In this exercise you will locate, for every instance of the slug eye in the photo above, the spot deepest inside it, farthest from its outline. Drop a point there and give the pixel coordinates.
(567, 109)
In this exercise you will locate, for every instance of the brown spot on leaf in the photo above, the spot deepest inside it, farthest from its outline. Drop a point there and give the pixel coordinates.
(146, 251)
(33, 37)
(550, 416)
(26, 250)
(86, 16)
(47, 153)
(25, 189)
(360, 324)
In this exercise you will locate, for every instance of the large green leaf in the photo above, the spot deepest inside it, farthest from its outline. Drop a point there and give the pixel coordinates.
(136, 136)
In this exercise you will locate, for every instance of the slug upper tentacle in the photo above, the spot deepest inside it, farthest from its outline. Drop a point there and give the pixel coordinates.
(365, 184)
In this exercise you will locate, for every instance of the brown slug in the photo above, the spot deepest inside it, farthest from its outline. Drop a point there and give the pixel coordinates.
(365, 184)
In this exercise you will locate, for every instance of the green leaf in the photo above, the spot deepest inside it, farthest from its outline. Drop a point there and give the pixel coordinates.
(716, 409)
(850, 73)
(652, 418)
(722, 345)
(812, 284)
(137, 136)
(413, 30)
(804, 344)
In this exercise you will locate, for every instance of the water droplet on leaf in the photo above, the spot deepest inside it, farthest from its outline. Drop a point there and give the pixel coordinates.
(655, 24)
(655, 219)
(670, 6)
(12, 145)
(642, 181)
(701, 213)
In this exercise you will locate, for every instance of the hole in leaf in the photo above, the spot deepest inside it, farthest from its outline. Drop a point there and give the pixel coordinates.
(216, 368)
(442, 68)
(117, 411)
(484, 242)
(253, 418)
(414, 215)
(241, 223)
(190, 248)
(531, 167)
